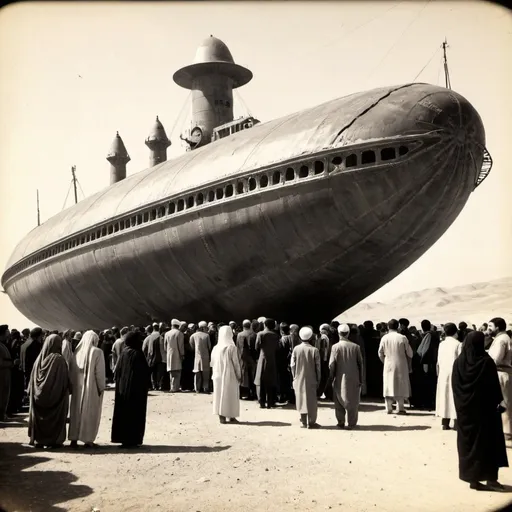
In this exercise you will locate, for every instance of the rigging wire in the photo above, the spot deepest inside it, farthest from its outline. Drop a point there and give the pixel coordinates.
(67, 195)
(424, 67)
(185, 103)
(345, 34)
(239, 97)
(397, 40)
(83, 195)
(439, 70)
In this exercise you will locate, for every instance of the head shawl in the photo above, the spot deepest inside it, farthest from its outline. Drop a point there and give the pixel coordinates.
(89, 340)
(344, 329)
(261, 319)
(191, 326)
(77, 336)
(133, 340)
(306, 333)
(225, 336)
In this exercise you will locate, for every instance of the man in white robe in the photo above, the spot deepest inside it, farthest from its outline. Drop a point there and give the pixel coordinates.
(449, 350)
(501, 352)
(88, 384)
(306, 372)
(395, 352)
(201, 345)
(226, 375)
(346, 372)
(174, 342)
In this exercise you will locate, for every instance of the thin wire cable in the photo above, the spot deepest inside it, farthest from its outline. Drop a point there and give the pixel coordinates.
(345, 34)
(239, 97)
(439, 70)
(185, 103)
(397, 41)
(80, 186)
(424, 67)
(67, 195)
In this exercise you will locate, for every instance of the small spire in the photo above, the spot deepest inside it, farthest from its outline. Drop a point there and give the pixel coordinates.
(118, 150)
(157, 135)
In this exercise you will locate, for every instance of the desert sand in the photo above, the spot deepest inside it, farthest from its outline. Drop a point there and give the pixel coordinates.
(473, 303)
(192, 463)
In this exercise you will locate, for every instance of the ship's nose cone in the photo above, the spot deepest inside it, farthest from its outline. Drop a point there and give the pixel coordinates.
(451, 115)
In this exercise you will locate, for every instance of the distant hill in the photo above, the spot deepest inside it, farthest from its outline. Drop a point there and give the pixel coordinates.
(472, 303)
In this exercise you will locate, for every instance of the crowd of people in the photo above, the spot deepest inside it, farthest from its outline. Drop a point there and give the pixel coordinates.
(462, 373)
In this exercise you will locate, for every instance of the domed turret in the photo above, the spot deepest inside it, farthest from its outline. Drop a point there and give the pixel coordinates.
(158, 143)
(118, 158)
(212, 77)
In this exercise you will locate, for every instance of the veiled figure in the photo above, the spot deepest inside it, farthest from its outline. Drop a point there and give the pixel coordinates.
(88, 379)
(131, 399)
(49, 395)
(226, 376)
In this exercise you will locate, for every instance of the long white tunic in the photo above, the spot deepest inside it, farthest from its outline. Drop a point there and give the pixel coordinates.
(226, 376)
(501, 351)
(305, 366)
(394, 352)
(87, 398)
(200, 343)
(174, 342)
(449, 350)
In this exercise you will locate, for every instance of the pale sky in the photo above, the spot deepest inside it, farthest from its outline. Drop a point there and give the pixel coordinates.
(301, 54)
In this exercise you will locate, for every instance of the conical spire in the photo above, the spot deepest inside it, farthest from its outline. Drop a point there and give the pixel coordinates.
(157, 134)
(118, 151)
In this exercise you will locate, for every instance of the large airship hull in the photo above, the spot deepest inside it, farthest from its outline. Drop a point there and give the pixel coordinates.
(299, 218)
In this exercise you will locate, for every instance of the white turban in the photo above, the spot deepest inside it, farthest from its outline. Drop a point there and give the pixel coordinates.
(343, 329)
(191, 326)
(324, 327)
(261, 319)
(202, 324)
(175, 321)
(305, 333)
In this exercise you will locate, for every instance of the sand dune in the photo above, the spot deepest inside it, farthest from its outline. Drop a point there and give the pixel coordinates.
(472, 303)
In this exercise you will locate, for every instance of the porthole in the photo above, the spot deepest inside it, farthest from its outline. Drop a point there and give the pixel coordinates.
(319, 167)
(146, 217)
(303, 171)
(200, 199)
(368, 157)
(290, 174)
(211, 196)
(103, 231)
(116, 227)
(276, 178)
(240, 187)
(263, 181)
(190, 202)
(351, 160)
(139, 220)
(336, 160)
(252, 184)
(161, 212)
(387, 154)
(110, 229)
(403, 150)
(181, 205)
(172, 208)
(153, 214)
(229, 190)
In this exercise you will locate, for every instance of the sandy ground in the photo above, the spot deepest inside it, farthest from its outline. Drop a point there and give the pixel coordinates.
(192, 463)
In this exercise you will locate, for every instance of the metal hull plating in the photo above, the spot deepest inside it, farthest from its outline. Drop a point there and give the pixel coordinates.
(303, 250)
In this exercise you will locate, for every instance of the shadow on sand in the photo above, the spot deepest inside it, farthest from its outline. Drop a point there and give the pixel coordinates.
(113, 449)
(380, 428)
(265, 423)
(38, 491)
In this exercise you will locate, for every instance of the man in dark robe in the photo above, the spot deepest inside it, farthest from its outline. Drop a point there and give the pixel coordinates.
(427, 372)
(49, 390)
(5, 371)
(477, 397)
(187, 368)
(245, 343)
(283, 373)
(154, 358)
(463, 331)
(29, 352)
(17, 379)
(131, 396)
(374, 366)
(267, 341)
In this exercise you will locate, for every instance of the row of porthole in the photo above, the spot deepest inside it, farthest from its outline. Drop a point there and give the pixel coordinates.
(242, 186)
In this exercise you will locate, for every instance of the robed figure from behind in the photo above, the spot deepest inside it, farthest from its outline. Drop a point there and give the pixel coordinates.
(131, 399)
(477, 396)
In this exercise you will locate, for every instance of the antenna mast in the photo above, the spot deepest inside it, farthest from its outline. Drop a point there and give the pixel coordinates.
(73, 171)
(448, 84)
(38, 212)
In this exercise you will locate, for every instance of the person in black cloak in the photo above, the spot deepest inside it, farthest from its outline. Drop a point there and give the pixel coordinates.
(477, 396)
(131, 398)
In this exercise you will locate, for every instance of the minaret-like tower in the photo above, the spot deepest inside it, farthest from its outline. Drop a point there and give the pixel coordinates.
(211, 78)
(118, 158)
(157, 142)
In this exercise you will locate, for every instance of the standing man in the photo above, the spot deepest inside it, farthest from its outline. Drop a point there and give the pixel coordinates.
(501, 352)
(267, 341)
(427, 352)
(6, 365)
(322, 344)
(117, 347)
(305, 367)
(395, 352)
(154, 357)
(175, 348)
(202, 347)
(449, 350)
(245, 343)
(346, 372)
